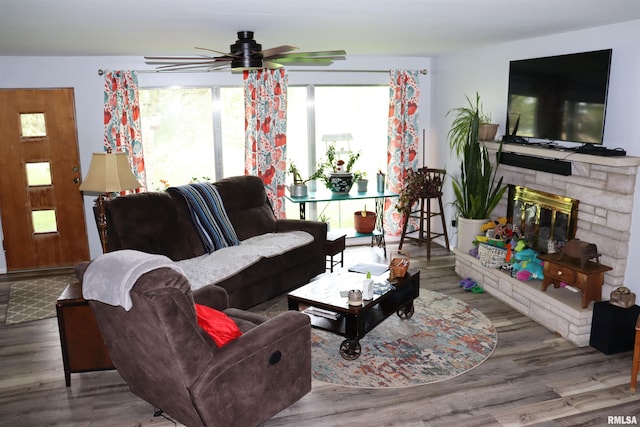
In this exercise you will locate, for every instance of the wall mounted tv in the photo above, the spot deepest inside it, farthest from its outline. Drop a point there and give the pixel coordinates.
(559, 98)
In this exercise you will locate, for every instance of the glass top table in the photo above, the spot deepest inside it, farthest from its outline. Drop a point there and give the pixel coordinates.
(329, 196)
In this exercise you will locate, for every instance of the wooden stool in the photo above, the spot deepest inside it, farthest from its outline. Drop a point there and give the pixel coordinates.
(335, 246)
(424, 214)
(636, 358)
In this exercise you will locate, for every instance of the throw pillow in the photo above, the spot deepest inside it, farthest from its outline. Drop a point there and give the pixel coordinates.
(217, 324)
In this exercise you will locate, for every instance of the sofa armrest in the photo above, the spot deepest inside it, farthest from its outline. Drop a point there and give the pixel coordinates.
(316, 228)
(264, 370)
(212, 296)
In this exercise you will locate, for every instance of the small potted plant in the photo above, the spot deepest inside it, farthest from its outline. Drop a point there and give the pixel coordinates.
(299, 187)
(460, 127)
(361, 180)
(364, 221)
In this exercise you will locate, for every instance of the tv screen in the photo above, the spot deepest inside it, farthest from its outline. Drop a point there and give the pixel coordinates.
(559, 98)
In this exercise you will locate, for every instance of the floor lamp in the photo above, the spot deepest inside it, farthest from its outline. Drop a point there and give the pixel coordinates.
(108, 173)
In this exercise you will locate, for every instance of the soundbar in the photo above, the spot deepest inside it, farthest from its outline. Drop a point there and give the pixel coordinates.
(558, 167)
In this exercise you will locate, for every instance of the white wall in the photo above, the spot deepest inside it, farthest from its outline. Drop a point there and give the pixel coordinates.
(81, 73)
(486, 71)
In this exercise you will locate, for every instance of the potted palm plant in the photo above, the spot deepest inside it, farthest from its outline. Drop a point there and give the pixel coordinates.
(478, 190)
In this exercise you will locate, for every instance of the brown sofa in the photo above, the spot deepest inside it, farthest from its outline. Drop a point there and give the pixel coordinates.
(160, 223)
(167, 360)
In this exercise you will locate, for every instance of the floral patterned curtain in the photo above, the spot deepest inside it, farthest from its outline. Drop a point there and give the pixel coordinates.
(265, 101)
(122, 131)
(403, 140)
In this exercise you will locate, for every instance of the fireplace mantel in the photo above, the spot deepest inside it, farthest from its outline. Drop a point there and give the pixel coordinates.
(566, 155)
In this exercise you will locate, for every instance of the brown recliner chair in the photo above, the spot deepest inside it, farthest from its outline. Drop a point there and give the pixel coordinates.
(169, 361)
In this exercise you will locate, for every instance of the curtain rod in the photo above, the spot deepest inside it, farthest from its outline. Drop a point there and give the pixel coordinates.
(423, 71)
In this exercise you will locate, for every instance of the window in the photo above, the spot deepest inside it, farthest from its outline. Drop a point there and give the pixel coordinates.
(361, 111)
(199, 133)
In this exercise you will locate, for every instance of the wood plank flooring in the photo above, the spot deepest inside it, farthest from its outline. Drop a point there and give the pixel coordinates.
(534, 377)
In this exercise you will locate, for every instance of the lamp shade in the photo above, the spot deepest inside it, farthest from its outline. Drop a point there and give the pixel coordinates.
(109, 173)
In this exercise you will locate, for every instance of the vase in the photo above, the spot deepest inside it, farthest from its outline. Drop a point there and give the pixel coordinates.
(364, 224)
(340, 182)
(468, 229)
(362, 185)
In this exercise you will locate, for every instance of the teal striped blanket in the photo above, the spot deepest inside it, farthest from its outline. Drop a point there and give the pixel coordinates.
(209, 215)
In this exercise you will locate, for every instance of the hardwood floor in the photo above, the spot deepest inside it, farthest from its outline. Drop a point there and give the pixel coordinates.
(534, 377)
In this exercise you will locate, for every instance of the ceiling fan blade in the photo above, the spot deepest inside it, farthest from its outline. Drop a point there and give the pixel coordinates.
(302, 61)
(267, 53)
(165, 59)
(198, 64)
(224, 54)
(271, 65)
(322, 54)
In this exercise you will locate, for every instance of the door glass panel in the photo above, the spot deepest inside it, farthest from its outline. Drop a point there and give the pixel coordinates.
(32, 125)
(38, 173)
(44, 221)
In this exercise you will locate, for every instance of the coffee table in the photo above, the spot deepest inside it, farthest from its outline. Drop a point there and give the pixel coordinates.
(329, 310)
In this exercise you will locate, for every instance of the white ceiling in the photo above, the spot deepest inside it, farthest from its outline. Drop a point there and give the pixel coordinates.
(361, 27)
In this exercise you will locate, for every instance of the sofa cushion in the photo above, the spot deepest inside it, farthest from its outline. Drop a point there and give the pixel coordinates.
(217, 324)
(247, 205)
(150, 222)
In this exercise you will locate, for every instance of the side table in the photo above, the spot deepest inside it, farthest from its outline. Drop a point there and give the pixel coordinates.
(83, 347)
(613, 327)
(588, 279)
(335, 245)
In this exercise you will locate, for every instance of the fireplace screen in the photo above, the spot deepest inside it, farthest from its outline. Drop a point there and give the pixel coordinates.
(542, 217)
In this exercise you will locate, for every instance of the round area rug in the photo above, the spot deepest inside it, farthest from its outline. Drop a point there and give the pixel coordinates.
(445, 338)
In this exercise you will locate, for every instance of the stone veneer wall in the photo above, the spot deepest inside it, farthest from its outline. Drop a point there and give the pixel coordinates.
(605, 187)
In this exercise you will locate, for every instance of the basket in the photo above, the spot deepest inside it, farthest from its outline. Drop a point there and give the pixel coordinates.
(491, 256)
(399, 264)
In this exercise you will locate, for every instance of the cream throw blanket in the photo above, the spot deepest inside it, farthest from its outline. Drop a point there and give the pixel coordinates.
(212, 268)
(110, 277)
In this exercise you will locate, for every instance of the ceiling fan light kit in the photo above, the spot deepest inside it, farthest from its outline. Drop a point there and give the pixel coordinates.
(246, 54)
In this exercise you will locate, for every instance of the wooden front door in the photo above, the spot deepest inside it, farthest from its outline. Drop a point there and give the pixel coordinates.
(41, 208)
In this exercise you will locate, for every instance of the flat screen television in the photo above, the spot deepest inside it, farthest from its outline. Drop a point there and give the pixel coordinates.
(559, 98)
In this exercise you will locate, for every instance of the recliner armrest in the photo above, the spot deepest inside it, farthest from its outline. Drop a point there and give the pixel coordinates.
(212, 296)
(270, 364)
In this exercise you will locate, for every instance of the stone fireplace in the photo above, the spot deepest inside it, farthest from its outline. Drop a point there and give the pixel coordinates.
(604, 187)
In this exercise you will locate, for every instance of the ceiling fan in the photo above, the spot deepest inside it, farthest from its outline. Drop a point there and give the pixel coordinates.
(246, 54)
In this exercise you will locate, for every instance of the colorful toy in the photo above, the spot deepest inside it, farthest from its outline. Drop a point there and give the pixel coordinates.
(527, 266)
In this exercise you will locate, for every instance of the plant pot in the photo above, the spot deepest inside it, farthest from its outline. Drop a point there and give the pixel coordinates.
(364, 224)
(362, 185)
(487, 132)
(298, 190)
(340, 182)
(468, 229)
